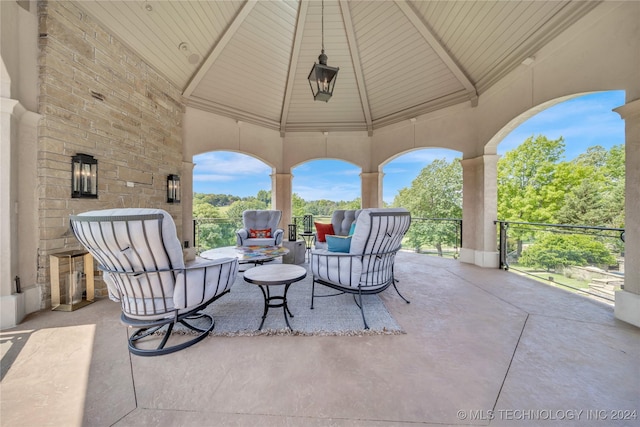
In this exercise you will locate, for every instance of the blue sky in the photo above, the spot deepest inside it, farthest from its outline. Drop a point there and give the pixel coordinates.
(582, 122)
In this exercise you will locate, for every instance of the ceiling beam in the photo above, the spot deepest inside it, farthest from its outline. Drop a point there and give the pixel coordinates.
(357, 64)
(219, 47)
(439, 49)
(303, 6)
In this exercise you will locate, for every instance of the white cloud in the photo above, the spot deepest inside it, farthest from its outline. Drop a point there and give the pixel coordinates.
(230, 165)
(424, 156)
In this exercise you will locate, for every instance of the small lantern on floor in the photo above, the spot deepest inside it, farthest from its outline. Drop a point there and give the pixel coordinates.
(292, 232)
(173, 189)
(308, 223)
(84, 176)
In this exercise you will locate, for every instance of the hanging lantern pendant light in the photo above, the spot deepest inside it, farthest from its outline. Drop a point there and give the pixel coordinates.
(322, 78)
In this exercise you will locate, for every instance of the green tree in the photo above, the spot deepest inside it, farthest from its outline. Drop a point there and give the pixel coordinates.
(598, 198)
(552, 251)
(264, 196)
(236, 208)
(298, 205)
(435, 193)
(203, 209)
(523, 176)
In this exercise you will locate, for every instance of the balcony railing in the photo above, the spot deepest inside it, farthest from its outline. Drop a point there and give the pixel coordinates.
(431, 236)
(578, 264)
(586, 259)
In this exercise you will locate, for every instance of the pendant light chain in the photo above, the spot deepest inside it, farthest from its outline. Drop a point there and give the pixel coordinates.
(322, 20)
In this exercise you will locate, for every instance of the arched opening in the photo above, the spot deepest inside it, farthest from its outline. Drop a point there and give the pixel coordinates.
(227, 172)
(560, 184)
(224, 185)
(321, 186)
(428, 182)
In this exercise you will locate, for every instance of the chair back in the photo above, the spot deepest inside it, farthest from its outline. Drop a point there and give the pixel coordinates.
(378, 237)
(261, 219)
(342, 219)
(140, 256)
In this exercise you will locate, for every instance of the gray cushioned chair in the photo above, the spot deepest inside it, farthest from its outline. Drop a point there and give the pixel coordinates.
(341, 220)
(367, 268)
(260, 220)
(142, 262)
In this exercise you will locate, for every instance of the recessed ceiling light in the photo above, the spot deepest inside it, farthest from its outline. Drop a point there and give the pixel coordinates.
(528, 61)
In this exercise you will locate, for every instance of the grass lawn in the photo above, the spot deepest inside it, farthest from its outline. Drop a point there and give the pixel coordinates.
(556, 278)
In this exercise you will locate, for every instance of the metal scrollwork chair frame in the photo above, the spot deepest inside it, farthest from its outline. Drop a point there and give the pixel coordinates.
(368, 267)
(142, 263)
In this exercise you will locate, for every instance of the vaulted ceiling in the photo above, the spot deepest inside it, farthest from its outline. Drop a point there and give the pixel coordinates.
(249, 60)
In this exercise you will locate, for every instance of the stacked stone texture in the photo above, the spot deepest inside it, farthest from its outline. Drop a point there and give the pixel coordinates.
(98, 97)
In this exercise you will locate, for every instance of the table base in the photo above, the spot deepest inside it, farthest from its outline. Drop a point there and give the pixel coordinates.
(270, 302)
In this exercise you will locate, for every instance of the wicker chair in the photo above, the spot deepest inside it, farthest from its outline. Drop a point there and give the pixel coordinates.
(143, 266)
(367, 267)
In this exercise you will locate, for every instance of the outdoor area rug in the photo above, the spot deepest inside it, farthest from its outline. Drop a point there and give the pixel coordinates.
(239, 312)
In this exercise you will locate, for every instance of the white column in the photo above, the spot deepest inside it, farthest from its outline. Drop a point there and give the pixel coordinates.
(281, 184)
(18, 212)
(186, 196)
(627, 303)
(479, 211)
(371, 183)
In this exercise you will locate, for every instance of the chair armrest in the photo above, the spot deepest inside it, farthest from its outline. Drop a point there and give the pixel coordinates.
(241, 235)
(205, 262)
(204, 279)
(278, 235)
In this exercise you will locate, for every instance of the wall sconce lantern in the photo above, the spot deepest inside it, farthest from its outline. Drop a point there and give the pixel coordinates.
(84, 176)
(173, 189)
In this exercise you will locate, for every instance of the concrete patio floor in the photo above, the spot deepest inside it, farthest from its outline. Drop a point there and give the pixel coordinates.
(482, 347)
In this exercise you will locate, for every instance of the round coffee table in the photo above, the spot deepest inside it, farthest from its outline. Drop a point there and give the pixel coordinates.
(266, 276)
(247, 254)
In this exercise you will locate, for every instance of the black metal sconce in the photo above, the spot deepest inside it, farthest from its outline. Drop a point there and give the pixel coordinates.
(84, 176)
(173, 189)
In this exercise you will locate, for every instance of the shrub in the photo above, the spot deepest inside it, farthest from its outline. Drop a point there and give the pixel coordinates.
(561, 250)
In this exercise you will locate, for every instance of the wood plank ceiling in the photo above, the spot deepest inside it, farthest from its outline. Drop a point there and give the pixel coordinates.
(249, 60)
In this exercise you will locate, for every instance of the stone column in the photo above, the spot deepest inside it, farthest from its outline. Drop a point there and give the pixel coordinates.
(479, 210)
(281, 184)
(627, 303)
(186, 194)
(371, 183)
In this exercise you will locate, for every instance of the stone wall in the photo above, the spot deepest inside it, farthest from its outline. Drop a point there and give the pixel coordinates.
(97, 97)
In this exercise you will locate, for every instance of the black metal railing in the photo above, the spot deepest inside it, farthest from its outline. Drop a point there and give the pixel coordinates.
(212, 233)
(587, 259)
(430, 236)
(443, 237)
(434, 236)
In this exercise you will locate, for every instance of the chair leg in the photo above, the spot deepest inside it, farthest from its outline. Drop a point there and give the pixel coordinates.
(313, 288)
(396, 288)
(136, 338)
(366, 326)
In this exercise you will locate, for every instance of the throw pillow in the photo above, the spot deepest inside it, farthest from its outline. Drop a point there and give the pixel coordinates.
(260, 234)
(338, 243)
(322, 230)
(352, 230)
